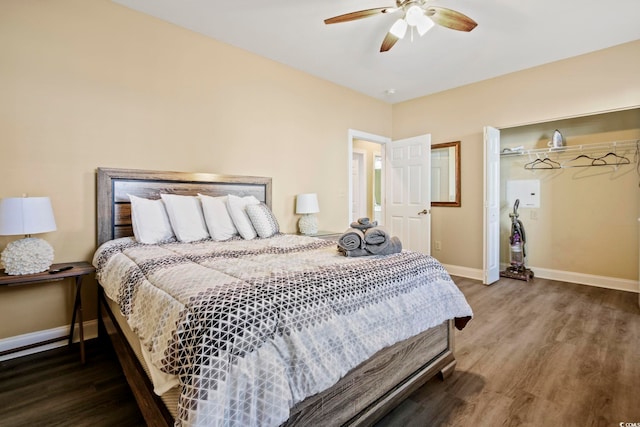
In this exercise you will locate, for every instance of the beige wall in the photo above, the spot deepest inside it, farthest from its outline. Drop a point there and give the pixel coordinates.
(600, 81)
(86, 83)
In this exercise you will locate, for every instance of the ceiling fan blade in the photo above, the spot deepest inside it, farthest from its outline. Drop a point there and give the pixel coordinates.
(388, 42)
(450, 18)
(358, 15)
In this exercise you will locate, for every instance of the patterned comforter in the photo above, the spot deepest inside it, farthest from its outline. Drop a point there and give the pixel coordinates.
(252, 327)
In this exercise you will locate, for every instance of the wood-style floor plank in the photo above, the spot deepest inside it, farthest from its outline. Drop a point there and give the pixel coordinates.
(543, 353)
(53, 388)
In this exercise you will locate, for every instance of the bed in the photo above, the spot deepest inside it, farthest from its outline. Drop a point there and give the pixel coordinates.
(364, 390)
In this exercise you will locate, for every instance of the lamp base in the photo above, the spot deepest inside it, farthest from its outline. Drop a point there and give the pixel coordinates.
(308, 224)
(27, 256)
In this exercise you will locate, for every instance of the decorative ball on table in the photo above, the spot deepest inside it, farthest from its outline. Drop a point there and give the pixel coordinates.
(27, 256)
(307, 206)
(26, 216)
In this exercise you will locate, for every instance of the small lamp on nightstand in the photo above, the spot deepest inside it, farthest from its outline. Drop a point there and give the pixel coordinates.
(307, 206)
(27, 216)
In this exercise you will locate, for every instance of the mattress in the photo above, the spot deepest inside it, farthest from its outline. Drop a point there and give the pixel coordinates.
(170, 396)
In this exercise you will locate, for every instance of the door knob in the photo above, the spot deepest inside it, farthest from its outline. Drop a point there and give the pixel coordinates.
(423, 212)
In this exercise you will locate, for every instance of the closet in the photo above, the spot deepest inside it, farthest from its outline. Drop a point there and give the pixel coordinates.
(585, 229)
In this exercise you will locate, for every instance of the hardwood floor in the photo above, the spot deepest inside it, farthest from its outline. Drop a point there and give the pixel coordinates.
(542, 353)
(53, 388)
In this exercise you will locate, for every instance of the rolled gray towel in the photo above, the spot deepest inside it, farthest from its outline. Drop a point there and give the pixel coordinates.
(394, 246)
(354, 252)
(351, 239)
(363, 224)
(376, 236)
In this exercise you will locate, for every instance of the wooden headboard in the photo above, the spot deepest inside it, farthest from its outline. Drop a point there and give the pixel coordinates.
(114, 186)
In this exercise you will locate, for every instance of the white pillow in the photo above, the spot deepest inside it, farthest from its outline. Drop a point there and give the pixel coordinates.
(149, 220)
(263, 220)
(185, 215)
(217, 217)
(236, 206)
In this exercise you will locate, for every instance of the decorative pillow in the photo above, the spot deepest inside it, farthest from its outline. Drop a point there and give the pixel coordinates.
(217, 217)
(150, 221)
(185, 215)
(263, 220)
(237, 210)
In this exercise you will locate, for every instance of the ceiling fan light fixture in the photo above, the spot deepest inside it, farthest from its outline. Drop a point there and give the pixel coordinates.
(424, 25)
(415, 15)
(399, 28)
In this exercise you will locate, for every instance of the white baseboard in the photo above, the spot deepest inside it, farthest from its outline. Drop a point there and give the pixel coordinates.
(469, 273)
(90, 330)
(587, 279)
(563, 276)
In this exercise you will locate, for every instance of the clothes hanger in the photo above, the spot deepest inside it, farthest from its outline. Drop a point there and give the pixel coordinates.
(581, 156)
(620, 160)
(598, 161)
(546, 163)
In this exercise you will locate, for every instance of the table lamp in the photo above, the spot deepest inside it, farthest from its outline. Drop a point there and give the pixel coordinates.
(307, 206)
(27, 216)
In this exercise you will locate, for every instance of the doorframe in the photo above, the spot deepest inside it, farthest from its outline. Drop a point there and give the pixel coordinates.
(361, 156)
(354, 134)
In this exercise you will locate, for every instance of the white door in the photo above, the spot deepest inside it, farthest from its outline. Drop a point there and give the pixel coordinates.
(408, 192)
(491, 232)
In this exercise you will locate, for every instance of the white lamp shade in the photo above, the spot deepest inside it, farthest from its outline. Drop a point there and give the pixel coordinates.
(414, 15)
(26, 215)
(399, 28)
(307, 203)
(424, 25)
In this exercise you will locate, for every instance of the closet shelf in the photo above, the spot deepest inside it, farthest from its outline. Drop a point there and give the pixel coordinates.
(612, 146)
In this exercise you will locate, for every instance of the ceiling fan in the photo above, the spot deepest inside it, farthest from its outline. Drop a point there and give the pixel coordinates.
(416, 14)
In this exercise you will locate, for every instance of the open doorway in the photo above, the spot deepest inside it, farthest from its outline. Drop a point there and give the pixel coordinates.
(366, 176)
(359, 182)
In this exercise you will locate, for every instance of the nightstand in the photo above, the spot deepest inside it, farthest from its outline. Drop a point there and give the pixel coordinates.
(78, 271)
(326, 235)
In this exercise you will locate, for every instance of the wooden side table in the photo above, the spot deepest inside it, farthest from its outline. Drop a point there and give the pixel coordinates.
(78, 270)
(326, 235)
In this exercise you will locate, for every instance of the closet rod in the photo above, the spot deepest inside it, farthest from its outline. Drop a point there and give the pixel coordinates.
(626, 144)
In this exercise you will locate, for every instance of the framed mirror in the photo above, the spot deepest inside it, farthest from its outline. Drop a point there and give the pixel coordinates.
(445, 174)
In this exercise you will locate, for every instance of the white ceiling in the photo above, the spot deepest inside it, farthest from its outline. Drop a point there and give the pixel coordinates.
(511, 35)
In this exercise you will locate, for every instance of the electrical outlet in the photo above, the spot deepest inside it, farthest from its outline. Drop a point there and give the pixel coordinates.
(438, 245)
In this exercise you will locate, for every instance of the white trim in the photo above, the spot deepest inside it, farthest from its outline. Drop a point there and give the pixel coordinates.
(90, 330)
(562, 276)
(587, 279)
(469, 273)
(362, 177)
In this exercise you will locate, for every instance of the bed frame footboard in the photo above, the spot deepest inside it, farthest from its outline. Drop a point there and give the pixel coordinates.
(375, 387)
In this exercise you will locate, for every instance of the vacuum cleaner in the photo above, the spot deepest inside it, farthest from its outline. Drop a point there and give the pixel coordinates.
(517, 240)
